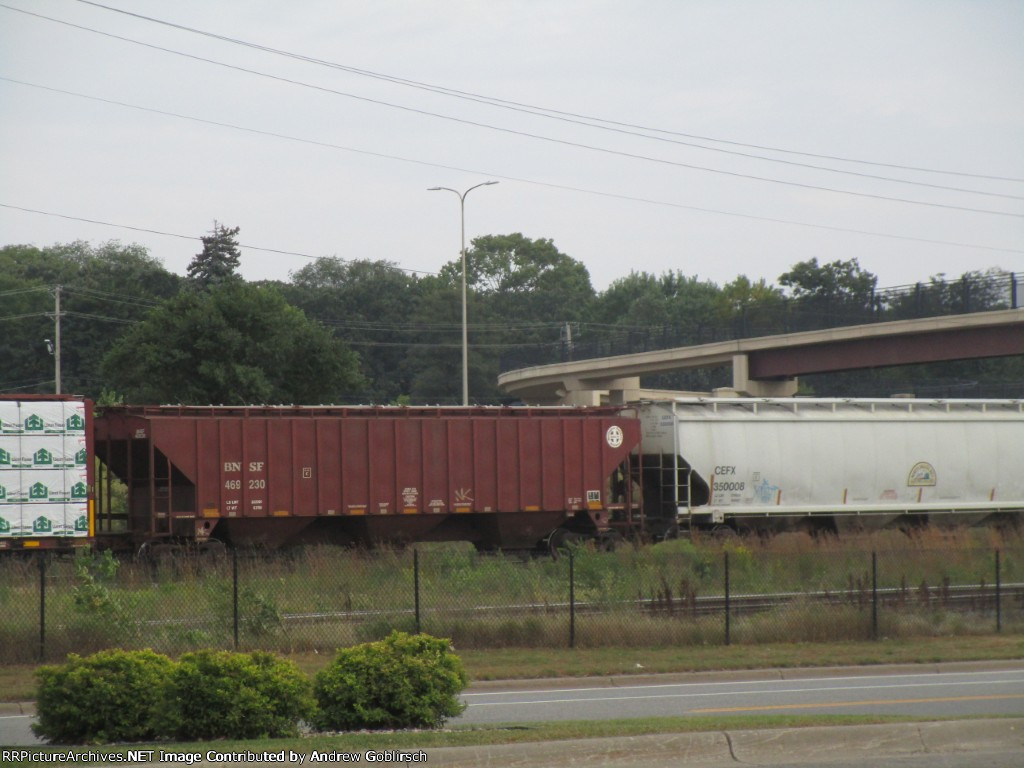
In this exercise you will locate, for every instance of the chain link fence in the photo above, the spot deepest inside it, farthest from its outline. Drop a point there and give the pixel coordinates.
(320, 599)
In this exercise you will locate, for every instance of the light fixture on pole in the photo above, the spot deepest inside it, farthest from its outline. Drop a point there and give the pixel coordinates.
(465, 327)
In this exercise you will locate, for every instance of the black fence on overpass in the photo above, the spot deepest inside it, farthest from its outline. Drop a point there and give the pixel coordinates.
(991, 291)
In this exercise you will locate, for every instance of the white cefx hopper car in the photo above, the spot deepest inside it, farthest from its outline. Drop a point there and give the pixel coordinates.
(830, 463)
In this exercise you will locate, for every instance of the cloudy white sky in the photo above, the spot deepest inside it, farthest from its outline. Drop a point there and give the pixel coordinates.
(898, 85)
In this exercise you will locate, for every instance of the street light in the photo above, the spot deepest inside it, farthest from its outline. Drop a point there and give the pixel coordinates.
(465, 327)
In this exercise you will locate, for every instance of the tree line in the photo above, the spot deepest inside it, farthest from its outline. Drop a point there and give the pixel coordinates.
(364, 331)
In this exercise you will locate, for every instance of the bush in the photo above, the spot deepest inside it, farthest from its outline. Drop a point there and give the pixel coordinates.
(106, 697)
(403, 681)
(224, 695)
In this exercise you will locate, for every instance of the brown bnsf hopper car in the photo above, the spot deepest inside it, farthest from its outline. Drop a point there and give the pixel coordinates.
(507, 478)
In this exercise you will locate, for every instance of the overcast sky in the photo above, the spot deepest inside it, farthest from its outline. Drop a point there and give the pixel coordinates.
(936, 85)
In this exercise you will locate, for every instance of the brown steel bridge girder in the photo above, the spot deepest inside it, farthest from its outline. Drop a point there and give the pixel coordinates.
(885, 351)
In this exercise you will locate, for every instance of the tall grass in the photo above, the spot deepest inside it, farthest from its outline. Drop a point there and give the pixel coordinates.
(321, 598)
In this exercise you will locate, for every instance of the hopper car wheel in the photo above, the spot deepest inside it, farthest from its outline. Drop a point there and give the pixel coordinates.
(671, 532)
(213, 549)
(610, 540)
(154, 551)
(561, 539)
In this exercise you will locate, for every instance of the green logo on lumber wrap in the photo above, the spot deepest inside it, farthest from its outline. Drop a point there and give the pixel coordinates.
(82, 525)
(39, 491)
(75, 424)
(42, 458)
(5, 458)
(34, 423)
(5, 527)
(42, 525)
(79, 491)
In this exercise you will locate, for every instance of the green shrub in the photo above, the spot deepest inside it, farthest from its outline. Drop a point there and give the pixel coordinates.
(403, 681)
(106, 697)
(225, 695)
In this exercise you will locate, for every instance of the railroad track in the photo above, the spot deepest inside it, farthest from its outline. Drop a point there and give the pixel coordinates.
(963, 598)
(948, 597)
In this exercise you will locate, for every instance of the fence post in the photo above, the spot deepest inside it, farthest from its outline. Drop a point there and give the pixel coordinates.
(234, 590)
(416, 585)
(572, 600)
(999, 607)
(728, 628)
(874, 596)
(42, 605)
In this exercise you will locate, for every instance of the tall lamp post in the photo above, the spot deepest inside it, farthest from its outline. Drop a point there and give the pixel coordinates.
(465, 327)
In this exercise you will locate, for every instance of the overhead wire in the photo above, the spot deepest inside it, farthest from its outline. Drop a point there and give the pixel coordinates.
(27, 314)
(363, 326)
(44, 382)
(104, 318)
(186, 237)
(16, 291)
(512, 131)
(581, 119)
(111, 297)
(505, 177)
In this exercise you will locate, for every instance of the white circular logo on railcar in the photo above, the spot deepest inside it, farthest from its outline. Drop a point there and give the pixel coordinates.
(614, 436)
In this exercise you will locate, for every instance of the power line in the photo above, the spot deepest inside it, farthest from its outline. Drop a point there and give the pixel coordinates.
(16, 291)
(104, 318)
(525, 134)
(185, 237)
(28, 314)
(111, 297)
(594, 122)
(44, 382)
(399, 158)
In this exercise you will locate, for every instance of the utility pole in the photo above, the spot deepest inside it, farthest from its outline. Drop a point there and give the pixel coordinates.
(56, 340)
(566, 335)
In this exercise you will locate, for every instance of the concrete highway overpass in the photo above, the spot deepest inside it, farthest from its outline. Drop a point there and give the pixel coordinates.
(769, 366)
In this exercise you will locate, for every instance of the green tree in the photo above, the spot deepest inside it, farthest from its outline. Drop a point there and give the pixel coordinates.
(364, 303)
(433, 363)
(525, 278)
(25, 300)
(235, 343)
(644, 311)
(837, 293)
(104, 289)
(751, 309)
(521, 294)
(219, 259)
(657, 308)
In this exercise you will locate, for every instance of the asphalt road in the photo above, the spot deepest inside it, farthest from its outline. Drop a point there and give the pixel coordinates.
(959, 692)
(953, 690)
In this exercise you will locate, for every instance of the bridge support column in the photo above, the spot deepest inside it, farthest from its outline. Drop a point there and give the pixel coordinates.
(594, 391)
(742, 382)
(582, 397)
(622, 391)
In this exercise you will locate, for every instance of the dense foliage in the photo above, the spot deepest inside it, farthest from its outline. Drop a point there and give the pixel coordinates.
(225, 695)
(368, 332)
(233, 343)
(107, 697)
(402, 681)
